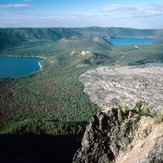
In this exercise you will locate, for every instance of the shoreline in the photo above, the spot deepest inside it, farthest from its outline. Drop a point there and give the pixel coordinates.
(17, 56)
(39, 63)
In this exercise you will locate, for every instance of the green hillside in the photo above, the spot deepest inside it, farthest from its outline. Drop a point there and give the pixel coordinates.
(15, 36)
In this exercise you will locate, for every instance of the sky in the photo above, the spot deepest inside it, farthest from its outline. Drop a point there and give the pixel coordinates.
(143, 14)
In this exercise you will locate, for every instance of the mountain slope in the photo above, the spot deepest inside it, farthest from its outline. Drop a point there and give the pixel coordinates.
(10, 37)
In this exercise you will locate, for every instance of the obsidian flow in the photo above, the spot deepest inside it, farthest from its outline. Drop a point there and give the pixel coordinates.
(38, 149)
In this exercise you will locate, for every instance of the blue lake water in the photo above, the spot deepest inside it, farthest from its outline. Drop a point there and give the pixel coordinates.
(131, 41)
(18, 66)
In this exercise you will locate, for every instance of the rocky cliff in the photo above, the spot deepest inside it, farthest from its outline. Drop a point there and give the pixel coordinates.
(121, 136)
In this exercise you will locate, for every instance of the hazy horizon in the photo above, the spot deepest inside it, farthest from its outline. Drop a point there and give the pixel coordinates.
(84, 27)
(145, 14)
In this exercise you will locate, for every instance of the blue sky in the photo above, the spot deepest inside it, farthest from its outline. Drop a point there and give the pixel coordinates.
(81, 13)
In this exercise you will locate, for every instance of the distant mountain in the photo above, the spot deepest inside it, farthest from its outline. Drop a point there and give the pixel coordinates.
(10, 37)
(120, 32)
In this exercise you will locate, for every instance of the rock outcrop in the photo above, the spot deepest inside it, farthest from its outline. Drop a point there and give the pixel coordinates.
(121, 136)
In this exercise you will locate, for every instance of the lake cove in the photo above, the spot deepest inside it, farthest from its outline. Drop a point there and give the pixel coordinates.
(131, 41)
(18, 66)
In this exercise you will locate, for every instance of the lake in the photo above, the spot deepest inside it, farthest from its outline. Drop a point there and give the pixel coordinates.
(18, 66)
(131, 41)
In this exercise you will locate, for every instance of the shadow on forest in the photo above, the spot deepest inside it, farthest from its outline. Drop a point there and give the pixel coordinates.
(37, 148)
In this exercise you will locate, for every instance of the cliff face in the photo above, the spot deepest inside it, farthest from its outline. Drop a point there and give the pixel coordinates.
(121, 136)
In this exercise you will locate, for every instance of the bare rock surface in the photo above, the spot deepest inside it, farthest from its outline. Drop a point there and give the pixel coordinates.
(119, 136)
(147, 145)
(115, 85)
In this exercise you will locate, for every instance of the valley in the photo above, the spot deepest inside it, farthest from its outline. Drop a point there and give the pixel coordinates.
(55, 94)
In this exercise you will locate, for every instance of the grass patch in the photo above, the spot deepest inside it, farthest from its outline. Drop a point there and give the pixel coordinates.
(141, 108)
(159, 116)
